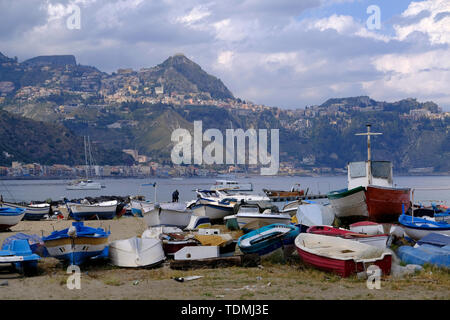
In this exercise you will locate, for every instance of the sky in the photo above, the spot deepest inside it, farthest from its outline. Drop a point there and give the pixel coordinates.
(284, 53)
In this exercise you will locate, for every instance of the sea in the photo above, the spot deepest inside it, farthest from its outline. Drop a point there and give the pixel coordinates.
(427, 189)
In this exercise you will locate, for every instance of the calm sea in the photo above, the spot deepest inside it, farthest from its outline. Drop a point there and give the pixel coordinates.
(28, 190)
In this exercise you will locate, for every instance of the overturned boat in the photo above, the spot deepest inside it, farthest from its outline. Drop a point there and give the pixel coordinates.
(136, 252)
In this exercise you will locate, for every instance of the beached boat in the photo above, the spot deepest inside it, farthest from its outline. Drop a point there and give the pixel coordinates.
(18, 253)
(342, 256)
(434, 249)
(370, 194)
(32, 211)
(265, 240)
(215, 210)
(291, 207)
(367, 227)
(138, 207)
(136, 252)
(378, 240)
(251, 217)
(77, 243)
(168, 214)
(9, 217)
(417, 228)
(313, 214)
(86, 211)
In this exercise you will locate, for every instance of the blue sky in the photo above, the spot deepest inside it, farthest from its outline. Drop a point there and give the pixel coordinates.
(285, 53)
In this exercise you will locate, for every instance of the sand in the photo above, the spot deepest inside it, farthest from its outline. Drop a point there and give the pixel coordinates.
(272, 280)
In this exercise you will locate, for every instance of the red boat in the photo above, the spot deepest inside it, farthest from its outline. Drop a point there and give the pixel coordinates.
(385, 204)
(341, 256)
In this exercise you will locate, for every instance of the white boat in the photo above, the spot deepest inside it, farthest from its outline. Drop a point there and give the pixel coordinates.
(138, 207)
(314, 214)
(232, 185)
(213, 209)
(86, 211)
(168, 214)
(367, 227)
(32, 211)
(84, 184)
(136, 252)
(250, 218)
(291, 207)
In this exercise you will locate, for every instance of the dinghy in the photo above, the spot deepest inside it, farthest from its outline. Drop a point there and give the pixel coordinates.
(417, 228)
(9, 217)
(378, 240)
(19, 254)
(267, 239)
(136, 252)
(342, 256)
(77, 243)
(168, 214)
(102, 211)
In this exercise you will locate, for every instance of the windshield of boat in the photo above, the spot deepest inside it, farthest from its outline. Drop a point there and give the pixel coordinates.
(357, 169)
(248, 209)
(381, 169)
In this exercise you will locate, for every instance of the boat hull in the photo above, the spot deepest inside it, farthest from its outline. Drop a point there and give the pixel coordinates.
(167, 217)
(92, 212)
(417, 228)
(213, 212)
(10, 219)
(136, 252)
(377, 204)
(77, 250)
(250, 222)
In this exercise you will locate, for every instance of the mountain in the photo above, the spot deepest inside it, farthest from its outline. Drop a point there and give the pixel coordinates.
(29, 141)
(57, 60)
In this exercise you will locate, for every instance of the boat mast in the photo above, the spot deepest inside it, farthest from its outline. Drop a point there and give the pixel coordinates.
(85, 157)
(369, 156)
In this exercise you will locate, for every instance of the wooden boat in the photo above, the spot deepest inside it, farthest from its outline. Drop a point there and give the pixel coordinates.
(9, 217)
(77, 243)
(250, 217)
(265, 240)
(313, 214)
(32, 211)
(86, 211)
(370, 194)
(136, 252)
(291, 207)
(168, 214)
(294, 193)
(417, 228)
(18, 253)
(378, 240)
(342, 256)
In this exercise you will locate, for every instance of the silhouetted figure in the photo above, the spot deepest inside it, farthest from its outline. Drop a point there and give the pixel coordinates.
(175, 195)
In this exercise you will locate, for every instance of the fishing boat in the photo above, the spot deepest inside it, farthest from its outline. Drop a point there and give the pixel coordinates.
(265, 240)
(9, 217)
(85, 183)
(168, 214)
(232, 185)
(379, 240)
(18, 253)
(370, 194)
(138, 207)
(252, 216)
(214, 209)
(87, 211)
(417, 228)
(136, 252)
(342, 256)
(77, 243)
(32, 211)
(312, 214)
(294, 193)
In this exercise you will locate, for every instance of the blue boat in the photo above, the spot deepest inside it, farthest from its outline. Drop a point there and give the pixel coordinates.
(426, 253)
(417, 228)
(19, 254)
(267, 239)
(36, 244)
(9, 217)
(435, 239)
(77, 243)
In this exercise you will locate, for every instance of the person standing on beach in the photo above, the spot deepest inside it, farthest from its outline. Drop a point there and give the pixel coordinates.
(175, 195)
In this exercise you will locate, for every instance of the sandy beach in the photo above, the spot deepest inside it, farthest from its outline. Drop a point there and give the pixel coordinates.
(271, 280)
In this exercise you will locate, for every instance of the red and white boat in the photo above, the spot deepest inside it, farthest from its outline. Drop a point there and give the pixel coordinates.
(370, 193)
(377, 240)
(367, 227)
(342, 256)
